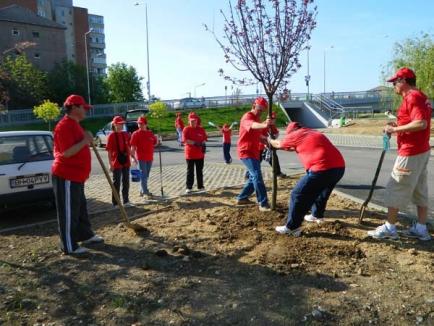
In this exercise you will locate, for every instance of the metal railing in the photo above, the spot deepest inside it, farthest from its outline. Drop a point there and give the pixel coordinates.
(331, 108)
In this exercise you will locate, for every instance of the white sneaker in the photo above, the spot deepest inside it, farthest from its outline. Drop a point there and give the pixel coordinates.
(312, 219)
(201, 189)
(284, 230)
(188, 191)
(129, 205)
(382, 232)
(95, 239)
(266, 208)
(413, 232)
(80, 251)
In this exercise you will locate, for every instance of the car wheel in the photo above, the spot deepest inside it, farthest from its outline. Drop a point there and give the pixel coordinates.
(98, 142)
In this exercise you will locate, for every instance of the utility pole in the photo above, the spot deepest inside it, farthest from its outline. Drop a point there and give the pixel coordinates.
(148, 84)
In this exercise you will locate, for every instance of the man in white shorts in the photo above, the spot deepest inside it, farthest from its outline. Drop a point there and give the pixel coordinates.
(408, 180)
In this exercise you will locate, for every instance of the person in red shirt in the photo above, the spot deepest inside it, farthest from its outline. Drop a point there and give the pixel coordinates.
(179, 125)
(324, 167)
(409, 175)
(119, 152)
(194, 138)
(71, 168)
(250, 136)
(143, 142)
(226, 132)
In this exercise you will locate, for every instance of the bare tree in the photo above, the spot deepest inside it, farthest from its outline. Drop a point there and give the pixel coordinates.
(265, 38)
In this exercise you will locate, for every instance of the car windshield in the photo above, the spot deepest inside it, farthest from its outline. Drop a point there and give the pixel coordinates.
(22, 149)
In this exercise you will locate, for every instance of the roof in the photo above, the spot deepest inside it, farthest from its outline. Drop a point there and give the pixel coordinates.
(17, 14)
(25, 133)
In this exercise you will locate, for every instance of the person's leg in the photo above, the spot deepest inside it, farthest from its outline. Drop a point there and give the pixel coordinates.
(248, 188)
(125, 184)
(199, 173)
(143, 178)
(117, 173)
(255, 177)
(420, 194)
(63, 208)
(226, 155)
(84, 228)
(179, 132)
(320, 204)
(190, 174)
(229, 153)
(302, 198)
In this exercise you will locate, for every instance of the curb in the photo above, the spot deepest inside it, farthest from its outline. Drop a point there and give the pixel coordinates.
(407, 217)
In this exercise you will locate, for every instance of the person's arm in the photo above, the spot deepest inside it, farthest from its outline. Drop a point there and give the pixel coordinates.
(413, 126)
(133, 153)
(74, 149)
(261, 125)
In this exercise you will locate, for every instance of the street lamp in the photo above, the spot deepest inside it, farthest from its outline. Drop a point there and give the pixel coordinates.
(331, 47)
(307, 77)
(196, 87)
(148, 83)
(87, 64)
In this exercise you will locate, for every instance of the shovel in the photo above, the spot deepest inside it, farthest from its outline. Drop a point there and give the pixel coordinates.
(386, 146)
(136, 227)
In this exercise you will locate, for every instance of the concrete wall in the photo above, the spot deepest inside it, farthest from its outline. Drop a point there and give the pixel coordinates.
(306, 115)
(50, 45)
(65, 17)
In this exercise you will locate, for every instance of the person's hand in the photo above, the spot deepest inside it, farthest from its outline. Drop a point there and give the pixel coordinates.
(390, 129)
(88, 137)
(111, 168)
(391, 123)
(134, 160)
(268, 122)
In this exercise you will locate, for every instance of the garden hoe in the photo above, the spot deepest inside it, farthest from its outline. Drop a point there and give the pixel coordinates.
(386, 146)
(136, 227)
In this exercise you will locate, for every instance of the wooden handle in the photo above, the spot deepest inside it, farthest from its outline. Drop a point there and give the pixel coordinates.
(115, 192)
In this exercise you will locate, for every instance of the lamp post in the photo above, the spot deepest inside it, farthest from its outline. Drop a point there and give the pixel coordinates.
(87, 64)
(148, 83)
(307, 77)
(331, 47)
(197, 86)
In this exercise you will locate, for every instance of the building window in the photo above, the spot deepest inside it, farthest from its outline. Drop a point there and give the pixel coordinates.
(15, 31)
(37, 56)
(63, 13)
(35, 34)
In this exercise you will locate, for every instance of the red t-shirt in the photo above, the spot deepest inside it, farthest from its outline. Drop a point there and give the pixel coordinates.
(249, 139)
(121, 139)
(76, 168)
(227, 133)
(314, 150)
(415, 106)
(179, 123)
(198, 134)
(144, 141)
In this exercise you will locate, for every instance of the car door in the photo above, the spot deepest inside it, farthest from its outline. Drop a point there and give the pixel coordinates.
(105, 133)
(25, 163)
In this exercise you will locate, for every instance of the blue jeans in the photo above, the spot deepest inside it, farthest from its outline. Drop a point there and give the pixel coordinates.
(227, 152)
(179, 132)
(145, 168)
(312, 193)
(255, 183)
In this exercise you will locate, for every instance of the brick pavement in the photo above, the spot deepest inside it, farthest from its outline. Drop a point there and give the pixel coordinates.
(216, 175)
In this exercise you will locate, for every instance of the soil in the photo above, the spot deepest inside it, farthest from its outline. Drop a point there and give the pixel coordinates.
(366, 127)
(205, 261)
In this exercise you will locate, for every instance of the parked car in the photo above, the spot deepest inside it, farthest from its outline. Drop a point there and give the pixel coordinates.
(189, 103)
(131, 126)
(25, 167)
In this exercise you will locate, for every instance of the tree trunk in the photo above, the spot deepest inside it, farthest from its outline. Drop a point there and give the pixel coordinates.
(273, 157)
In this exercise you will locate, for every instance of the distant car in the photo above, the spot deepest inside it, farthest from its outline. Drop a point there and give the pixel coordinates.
(25, 167)
(189, 103)
(131, 126)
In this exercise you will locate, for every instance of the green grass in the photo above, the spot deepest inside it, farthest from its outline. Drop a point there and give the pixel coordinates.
(217, 115)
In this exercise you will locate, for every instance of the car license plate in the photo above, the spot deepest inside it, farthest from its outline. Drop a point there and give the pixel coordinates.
(24, 181)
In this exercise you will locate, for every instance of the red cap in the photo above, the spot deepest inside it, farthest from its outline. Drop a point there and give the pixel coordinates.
(292, 126)
(76, 100)
(273, 115)
(142, 120)
(260, 101)
(403, 73)
(118, 120)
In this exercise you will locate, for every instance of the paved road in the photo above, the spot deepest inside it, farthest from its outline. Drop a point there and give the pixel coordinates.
(361, 166)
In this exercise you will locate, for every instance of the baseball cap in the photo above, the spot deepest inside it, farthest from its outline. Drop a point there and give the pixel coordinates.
(292, 126)
(76, 100)
(403, 73)
(118, 120)
(142, 120)
(260, 101)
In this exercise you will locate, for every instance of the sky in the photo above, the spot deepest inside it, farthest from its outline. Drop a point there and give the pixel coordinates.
(357, 38)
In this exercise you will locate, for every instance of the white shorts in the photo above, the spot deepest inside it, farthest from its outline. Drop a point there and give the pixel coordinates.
(408, 182)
